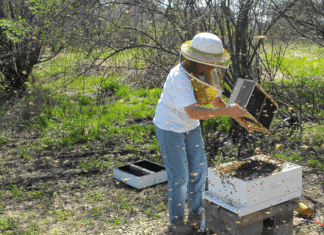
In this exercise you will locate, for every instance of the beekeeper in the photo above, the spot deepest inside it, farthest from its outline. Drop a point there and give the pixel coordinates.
(196, 81)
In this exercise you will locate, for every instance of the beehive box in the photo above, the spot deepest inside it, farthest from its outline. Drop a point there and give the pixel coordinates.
(141, 174)
(260, 105)
(247, 196)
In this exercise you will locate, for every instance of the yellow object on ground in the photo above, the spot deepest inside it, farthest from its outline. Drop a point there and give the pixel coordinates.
(304, 210)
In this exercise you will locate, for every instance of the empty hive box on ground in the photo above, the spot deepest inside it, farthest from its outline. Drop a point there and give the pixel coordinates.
(260, 105)
(141, 174)
(244, 190)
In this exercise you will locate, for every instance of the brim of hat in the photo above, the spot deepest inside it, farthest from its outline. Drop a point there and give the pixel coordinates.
(220, 60)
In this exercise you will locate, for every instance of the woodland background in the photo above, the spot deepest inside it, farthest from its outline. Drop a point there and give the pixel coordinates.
(79, 85)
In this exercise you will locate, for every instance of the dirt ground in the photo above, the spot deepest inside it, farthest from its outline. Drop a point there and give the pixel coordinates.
(312, 196)
(87, 193)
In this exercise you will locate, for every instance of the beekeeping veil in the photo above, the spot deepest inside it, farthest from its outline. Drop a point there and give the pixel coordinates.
(205, 49)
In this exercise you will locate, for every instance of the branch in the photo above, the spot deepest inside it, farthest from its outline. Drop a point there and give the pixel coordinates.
(52, 56)
(149, 36)
(270, 26)
(292, 25)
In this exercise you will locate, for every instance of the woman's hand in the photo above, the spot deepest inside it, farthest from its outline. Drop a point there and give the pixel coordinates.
(236, 111)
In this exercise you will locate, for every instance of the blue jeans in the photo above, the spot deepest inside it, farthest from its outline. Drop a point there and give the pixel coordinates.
(186, 164)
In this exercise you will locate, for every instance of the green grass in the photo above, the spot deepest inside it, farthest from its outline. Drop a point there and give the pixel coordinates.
(3, 141)
(15, 191)
(301, 60)
(61, 215)
(91, 163)
(36, 194)
(315, 135)
(304, 63)
(316, 163)
(25, 155)
(288, 156)
(77, 118)
(7, 224)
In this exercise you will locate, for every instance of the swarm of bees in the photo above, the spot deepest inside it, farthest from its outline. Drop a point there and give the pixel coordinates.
(260, 164)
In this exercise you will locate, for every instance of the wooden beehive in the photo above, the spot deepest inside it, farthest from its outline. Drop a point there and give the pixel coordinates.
(243, 196)
(260, 105)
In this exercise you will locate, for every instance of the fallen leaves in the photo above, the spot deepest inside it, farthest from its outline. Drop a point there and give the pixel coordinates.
(279, 146)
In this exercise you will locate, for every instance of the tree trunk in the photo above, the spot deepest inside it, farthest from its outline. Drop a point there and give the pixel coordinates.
(19, 63)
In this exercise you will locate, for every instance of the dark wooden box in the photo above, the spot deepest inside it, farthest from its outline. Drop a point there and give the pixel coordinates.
(260, 105)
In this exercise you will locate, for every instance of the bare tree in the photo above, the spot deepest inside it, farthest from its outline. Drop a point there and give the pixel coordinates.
(32, 32)
(158, 28)
(307, 19)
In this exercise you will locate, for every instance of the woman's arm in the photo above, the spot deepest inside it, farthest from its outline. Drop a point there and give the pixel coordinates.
(200, 113)
(218, 102)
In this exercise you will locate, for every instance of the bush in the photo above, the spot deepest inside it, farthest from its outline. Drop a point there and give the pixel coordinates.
(222, 123)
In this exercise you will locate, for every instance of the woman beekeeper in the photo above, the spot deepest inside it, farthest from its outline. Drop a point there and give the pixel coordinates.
(196, 81)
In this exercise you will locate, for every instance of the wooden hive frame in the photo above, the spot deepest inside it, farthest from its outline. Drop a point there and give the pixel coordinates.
(260, 105)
